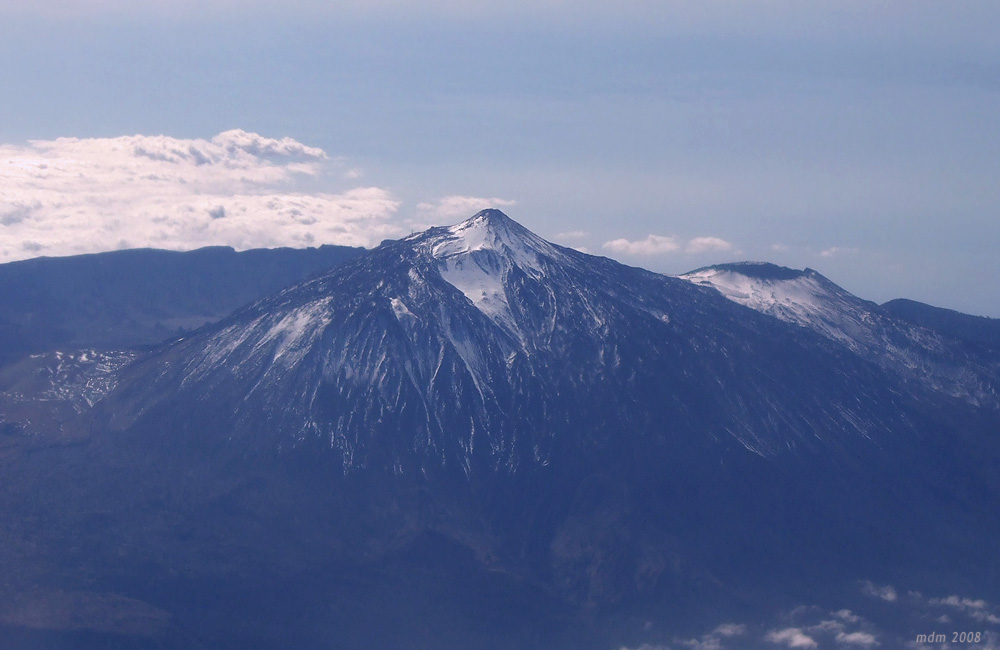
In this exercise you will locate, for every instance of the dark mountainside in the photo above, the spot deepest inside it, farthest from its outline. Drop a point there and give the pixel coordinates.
(472, 438)
(126, 298)
(978, 330)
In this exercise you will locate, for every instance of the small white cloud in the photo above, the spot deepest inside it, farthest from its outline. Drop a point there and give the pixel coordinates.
(714, 640)
(847, 615)
(651, 245)
(886, 593)
(572, 234)
(827, 626)
(960, 603)
(660, 244)
(779, 248)
(837, 251)
(730, 629)
(837, 629)
(706, 244)
(976, 609)
(863, 639)
(458, 207)
(84, 195)
(792, 637)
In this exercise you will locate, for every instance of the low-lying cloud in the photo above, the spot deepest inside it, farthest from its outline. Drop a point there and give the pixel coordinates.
(976, 609)
(84, 195)
(792, 637)
(887, 618)
(716, 639)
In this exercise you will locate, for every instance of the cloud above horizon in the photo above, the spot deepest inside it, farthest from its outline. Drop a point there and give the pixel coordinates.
(651, 245)
(660, 244)
(84, 195)
(457, 208)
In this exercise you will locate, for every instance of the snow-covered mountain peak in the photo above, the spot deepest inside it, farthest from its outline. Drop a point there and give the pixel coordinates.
(489, 231)
(479, 256)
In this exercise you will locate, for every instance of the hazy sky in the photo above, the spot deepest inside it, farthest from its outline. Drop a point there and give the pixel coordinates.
(861, 139)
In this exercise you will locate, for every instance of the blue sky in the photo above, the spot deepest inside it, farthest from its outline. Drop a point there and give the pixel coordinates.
(857, 138)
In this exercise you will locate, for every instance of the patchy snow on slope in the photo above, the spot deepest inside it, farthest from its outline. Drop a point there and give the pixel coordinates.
(484, 287)
(297, 330)
(809, 300)
(283, 339)
(400, 309)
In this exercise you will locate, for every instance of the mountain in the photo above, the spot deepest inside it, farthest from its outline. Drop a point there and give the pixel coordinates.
(467, 338)
(913, 349)
(139, 297)
(976, 330)
(474, 438)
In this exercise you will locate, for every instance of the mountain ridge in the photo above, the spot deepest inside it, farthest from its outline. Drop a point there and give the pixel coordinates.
(937, 359)
(139, 297)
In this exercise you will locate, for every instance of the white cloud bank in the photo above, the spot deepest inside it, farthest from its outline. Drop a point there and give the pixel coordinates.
(69, 196)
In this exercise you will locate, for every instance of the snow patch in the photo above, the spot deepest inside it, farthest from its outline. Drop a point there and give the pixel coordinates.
(297, 330)
(808, 301)
(479, 255)
(484, 287)
(400, 309)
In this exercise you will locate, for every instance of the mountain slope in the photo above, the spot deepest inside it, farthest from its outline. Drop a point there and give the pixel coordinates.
(475, 438)
(139, 297)
(483, 341)
(977, 330)
(936, 360)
